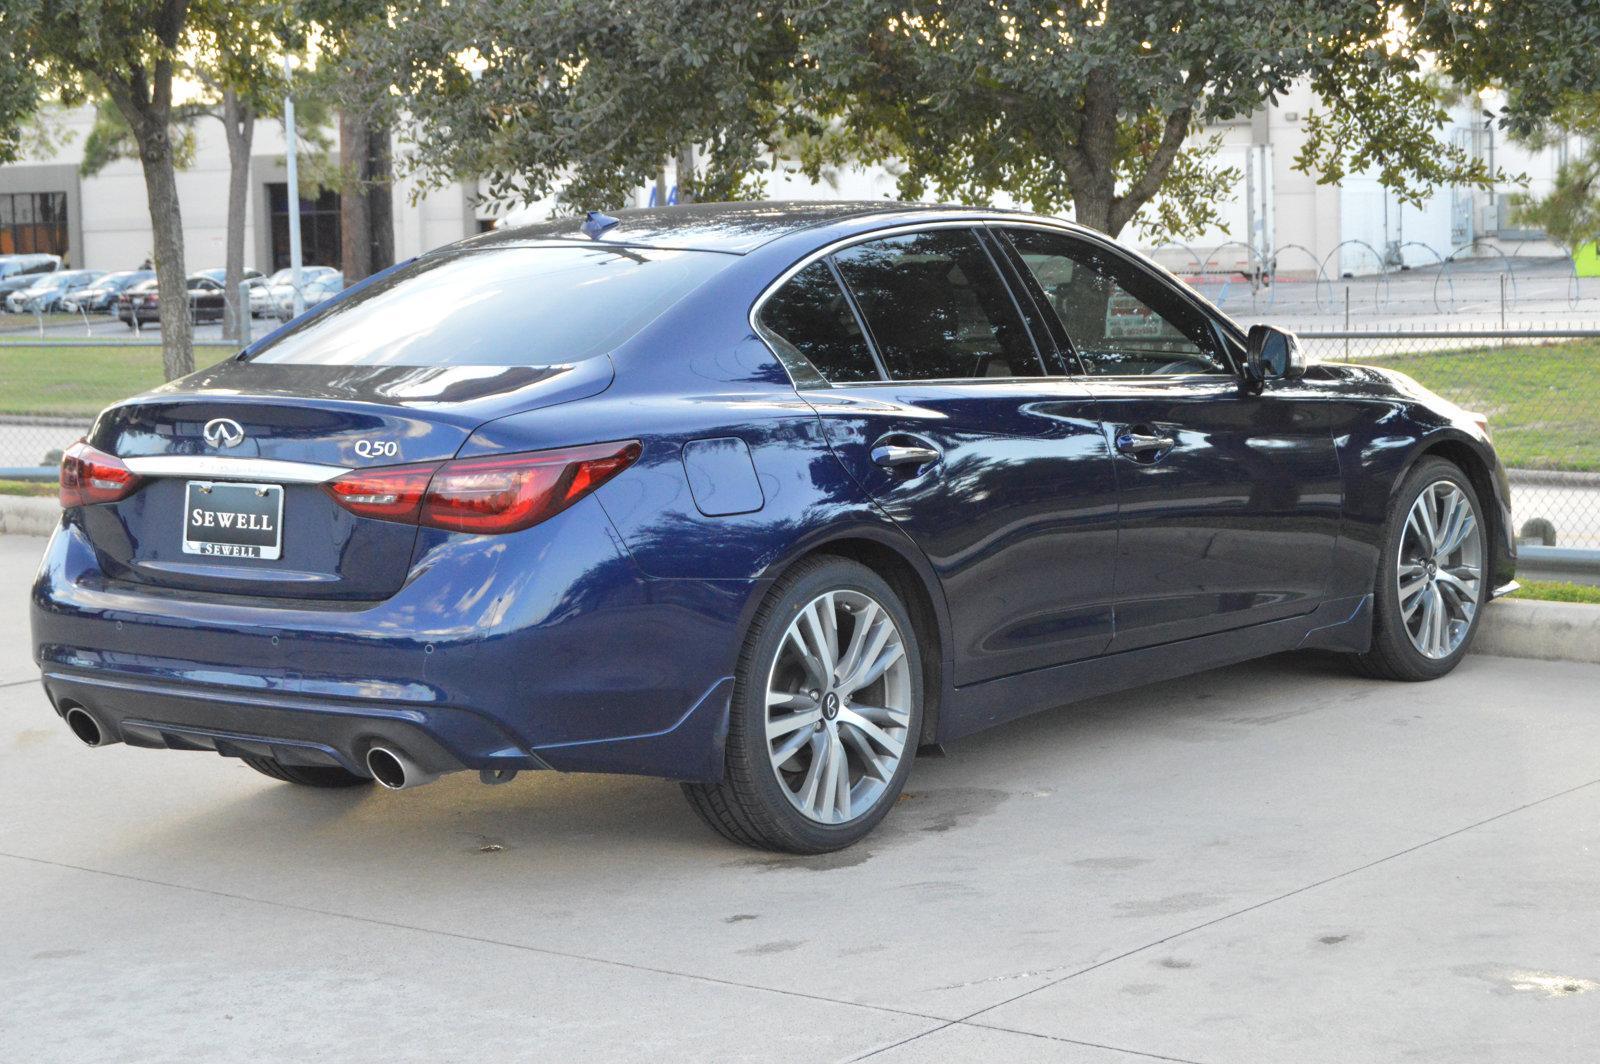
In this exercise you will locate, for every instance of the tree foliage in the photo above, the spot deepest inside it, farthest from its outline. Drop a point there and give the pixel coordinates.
(1103, 107)
(591, 98)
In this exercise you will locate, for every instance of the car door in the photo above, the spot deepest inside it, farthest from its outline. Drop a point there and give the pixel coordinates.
(913, 351)
(1229, 499)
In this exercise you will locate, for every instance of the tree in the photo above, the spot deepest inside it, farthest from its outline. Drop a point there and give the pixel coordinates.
(127, 50)
(238, 49)
(590, 100)
(1105, 107)
(348, 79)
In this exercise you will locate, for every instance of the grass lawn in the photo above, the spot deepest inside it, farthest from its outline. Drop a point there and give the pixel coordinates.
(81, 379)
(1556, 591)
(1543, 402)
(29, 487)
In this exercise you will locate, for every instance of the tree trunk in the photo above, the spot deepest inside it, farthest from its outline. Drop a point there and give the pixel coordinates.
(380, 196)
(166, 221)
(239, 120)
(685, 167)
(355, 213)
(1093, 206)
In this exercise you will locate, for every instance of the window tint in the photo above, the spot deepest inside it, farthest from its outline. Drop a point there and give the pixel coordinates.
(937, 308)
(1120, 318)
(501, 307)
(809, 319)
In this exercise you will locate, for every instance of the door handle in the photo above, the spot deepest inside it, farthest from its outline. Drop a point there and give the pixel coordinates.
(898, 456)
(1134, 442)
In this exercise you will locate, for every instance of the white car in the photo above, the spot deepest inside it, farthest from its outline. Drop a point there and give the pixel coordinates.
(317, 285)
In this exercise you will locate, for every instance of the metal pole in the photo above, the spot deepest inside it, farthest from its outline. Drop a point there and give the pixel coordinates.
(294, 193)
(246, 319)
(1347, 321)
(1502, 307)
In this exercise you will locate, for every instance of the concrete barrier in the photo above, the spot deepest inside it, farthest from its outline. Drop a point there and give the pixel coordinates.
(1549, 631)
(28, 515)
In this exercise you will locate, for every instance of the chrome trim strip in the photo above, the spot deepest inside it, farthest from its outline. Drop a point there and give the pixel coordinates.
(220, 468)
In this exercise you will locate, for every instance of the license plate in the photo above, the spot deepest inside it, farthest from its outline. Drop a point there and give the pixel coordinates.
(229, 520)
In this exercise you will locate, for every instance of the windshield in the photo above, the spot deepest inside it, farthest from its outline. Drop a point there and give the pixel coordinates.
(516, 306)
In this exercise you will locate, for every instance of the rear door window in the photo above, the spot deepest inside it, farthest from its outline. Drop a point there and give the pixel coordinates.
(809, 321)
(515, 306)
(937, 308)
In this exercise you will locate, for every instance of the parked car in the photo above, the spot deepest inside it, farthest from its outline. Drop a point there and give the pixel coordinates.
(315, 291)
(760, 498)
(318, 283)
(141, 304)
(49, 289)
(20, 271)
(101, 296)
(132, 299)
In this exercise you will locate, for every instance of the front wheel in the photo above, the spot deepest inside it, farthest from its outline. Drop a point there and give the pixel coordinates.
(826, 712)
(1432, 576)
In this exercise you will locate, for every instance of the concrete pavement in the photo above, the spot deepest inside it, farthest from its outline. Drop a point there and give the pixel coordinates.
(1274, 862)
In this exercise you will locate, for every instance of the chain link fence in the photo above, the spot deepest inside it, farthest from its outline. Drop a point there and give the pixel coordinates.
(1539, 389)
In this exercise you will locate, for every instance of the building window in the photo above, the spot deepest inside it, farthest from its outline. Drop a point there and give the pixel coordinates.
(33, 222)
(319, 227)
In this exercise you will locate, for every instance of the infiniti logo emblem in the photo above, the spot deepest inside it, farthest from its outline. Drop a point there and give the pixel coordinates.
(223, 432)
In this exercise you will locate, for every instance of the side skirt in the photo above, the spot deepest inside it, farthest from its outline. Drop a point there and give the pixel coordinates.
(1340, 624)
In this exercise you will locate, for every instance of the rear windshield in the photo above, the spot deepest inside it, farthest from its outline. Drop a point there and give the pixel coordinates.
(501, 307)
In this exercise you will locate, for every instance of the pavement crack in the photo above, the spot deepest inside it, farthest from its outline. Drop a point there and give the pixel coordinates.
(1274, 900)
(479, 939)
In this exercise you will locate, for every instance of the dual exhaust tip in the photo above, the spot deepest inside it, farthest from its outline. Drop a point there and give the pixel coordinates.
(86, 728)
(391, 768)
(396, 771)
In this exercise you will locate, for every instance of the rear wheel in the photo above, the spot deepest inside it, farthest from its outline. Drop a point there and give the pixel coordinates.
(1432, 580)
(827, 707)
(305, 775)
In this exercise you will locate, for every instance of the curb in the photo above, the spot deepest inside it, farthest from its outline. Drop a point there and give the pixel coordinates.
(28, 515)
(1547, 631)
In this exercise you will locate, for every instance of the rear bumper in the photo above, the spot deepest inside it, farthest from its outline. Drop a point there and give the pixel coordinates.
(530, 655)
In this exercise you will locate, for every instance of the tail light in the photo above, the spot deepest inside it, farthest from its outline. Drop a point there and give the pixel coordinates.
(90, 476)
(502, 493)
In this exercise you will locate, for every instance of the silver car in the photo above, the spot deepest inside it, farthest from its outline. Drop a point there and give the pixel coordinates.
(46, 294)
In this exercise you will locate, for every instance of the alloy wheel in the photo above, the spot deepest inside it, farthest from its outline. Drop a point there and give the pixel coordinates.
(838, 706)
(1440, 569)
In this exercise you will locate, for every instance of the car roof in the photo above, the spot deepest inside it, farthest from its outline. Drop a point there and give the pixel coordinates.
(734, 228)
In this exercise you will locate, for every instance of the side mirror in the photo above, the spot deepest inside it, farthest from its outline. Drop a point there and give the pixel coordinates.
(1271, 353)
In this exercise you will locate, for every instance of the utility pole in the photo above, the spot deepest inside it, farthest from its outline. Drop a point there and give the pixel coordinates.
(294, 190)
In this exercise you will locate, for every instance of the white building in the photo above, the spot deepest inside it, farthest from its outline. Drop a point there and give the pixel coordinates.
(103, 221)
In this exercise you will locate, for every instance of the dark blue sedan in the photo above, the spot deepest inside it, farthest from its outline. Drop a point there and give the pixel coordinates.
(758, 497)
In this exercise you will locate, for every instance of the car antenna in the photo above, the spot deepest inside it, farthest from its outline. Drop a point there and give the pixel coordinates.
(596, 223)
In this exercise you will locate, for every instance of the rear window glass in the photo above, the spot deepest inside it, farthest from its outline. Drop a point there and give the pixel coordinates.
(502, 307)
(808, 318)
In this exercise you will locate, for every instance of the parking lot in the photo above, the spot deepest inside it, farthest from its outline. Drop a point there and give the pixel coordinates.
(1274, 862)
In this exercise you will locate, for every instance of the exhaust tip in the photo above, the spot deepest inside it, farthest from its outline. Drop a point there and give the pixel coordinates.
(386, 767)
(85, 727)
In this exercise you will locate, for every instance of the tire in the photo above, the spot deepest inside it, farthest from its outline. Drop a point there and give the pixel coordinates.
(327, 776)
(1395, 653)
(777, 806)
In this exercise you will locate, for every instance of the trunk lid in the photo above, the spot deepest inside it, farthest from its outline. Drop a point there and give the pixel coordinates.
(300, 425)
